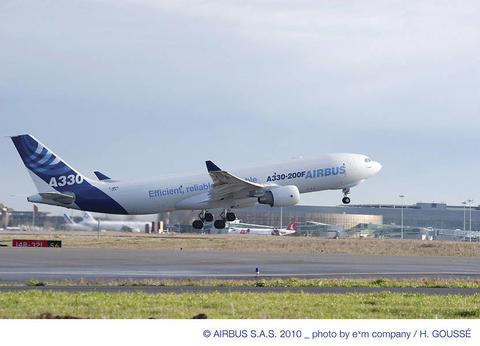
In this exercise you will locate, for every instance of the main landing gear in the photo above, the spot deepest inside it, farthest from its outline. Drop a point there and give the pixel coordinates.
(219, 224)
(205, 216)
(226, 216)
(346, 199)
(229, 216)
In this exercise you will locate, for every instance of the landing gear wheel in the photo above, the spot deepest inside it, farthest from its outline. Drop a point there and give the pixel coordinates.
(345, 198)
(219, 224)
(208, 217)
(197, 224)
(231, 216)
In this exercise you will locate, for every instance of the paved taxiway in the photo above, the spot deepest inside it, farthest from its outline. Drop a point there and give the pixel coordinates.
(49, 264)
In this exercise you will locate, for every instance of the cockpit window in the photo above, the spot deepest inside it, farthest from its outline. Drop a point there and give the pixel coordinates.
(368, 160)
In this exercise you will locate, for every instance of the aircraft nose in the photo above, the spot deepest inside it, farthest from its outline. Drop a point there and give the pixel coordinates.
(376, 167)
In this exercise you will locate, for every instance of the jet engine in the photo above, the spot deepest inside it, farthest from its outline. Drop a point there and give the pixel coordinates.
(282, 196)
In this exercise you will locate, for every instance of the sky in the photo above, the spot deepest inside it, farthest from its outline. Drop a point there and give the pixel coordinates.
(139, 89)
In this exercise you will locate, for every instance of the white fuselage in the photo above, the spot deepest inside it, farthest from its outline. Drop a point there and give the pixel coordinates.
(259, 231)
(77, 227)
(117, 225)
(94, 225)
(191, 192)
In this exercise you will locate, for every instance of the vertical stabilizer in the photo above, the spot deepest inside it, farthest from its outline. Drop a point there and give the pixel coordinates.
(68, 220)
(58, 183)
(292, 226)
(88, 218)
(48, 171)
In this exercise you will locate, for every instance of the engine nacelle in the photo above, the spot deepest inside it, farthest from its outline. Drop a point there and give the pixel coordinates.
(282, 196)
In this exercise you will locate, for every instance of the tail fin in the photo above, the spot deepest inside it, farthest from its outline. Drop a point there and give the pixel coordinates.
(292, 226)
(88, 217)
(48, 171)
(58, 183)
(68, 220)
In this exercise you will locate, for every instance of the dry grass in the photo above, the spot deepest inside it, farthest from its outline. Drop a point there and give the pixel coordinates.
(256, 243)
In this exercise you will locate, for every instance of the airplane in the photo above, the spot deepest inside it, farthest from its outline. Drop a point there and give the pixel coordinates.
(264, 231)
(277, 185)
(75, 226)
(89, 223)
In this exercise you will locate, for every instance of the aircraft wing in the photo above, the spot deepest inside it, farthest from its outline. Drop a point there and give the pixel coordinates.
(227, 185)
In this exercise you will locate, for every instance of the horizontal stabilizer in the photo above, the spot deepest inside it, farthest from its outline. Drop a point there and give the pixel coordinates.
(58, 197)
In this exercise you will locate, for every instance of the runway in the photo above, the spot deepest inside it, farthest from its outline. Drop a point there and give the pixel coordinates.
(19, 265)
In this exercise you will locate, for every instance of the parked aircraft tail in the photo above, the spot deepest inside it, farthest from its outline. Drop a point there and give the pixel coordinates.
(68, 220)
(292, 226)
(87, 217)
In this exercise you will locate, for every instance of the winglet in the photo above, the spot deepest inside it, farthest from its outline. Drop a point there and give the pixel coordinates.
(211, 167)
(101, 176)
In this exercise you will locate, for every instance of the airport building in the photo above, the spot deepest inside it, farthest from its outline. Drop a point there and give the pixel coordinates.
(42, 219)
(15, 218)
(390, 232)
(318, 229)
(4, 216)
(265, 215)
(435, 215)
(444, 222)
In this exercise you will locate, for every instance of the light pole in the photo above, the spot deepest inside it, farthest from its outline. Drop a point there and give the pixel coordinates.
(470, 210)
(401, 197)
(281, 217)
(464, 204)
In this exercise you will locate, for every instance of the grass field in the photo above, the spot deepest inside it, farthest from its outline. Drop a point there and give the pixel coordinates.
(291, 282)
(35, 304)
(257, 243)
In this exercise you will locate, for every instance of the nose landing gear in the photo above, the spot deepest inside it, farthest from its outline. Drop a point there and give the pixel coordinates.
(345, 199)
